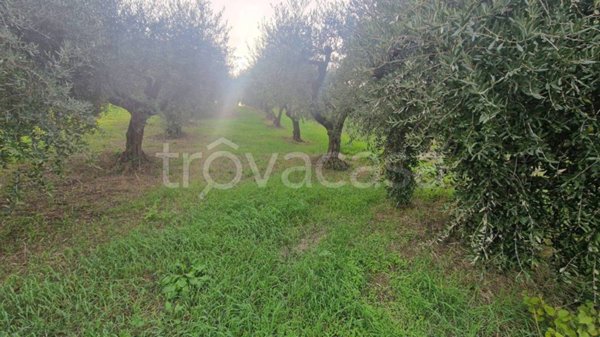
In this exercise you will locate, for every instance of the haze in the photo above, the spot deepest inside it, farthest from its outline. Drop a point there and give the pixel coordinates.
(244, 17)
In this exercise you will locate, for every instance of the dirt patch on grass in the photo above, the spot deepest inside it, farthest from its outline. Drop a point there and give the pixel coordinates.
(45, 224)
(379, 285)
(306, 244)
(88, 189)
(420, 227)
(310, 242)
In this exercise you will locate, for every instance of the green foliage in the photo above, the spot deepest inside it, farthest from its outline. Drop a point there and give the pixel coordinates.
(523, 134)
(385, 104)
(185, 278)
(399, 164)
(43, 116)
(557, 322)
(510, 89)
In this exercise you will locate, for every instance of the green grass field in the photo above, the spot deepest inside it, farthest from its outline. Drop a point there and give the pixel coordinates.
(249, 261)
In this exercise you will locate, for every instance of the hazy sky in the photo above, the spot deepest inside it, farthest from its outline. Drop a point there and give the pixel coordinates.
(244, 18)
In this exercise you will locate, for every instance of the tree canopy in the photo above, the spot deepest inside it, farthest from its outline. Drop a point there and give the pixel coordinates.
(64, 60)
(508, 90)
(46, 97)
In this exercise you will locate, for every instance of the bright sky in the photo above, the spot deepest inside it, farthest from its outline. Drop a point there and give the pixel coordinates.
(244, 17)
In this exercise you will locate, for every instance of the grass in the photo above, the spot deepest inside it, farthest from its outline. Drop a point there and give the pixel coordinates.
(250, 261)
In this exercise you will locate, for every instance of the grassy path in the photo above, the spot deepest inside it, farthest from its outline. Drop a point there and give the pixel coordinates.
(258, 262)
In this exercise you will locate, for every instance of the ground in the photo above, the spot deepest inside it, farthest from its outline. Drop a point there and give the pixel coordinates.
(119, 254)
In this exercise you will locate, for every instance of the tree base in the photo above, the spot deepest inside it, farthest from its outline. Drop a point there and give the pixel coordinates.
(334, 163)
(128, 161)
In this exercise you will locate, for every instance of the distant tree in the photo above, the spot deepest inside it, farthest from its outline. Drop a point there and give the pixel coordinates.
(338, 101)
(301, 48)
(333, 27)
(259, 89)
(281, 70)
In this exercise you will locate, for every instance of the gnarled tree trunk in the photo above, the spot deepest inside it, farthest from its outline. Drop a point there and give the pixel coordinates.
(134, 139)
(140, 113)
(174, 121)
(335, 143)
(334, 127)
(174, 131)
(332, 159)
(296, 133)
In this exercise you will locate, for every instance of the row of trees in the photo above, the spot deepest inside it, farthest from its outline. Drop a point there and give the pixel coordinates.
(63, 61)
(298, 58)
(506, 91)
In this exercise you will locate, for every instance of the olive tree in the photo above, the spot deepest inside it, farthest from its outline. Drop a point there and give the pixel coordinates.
(510, 90)
(48, 98)
(63, 61)
(163, 58)
(332, 29)
(258, 83)
(390, 120)
(281, 70)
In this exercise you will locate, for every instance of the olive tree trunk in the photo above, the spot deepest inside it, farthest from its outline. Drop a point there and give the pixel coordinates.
(174, 131)
(140, 113)
(296, 134)
(134, 138)
(269, 115)
(335, 143)
(332, 159)
(332, 122)
(174, 121)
